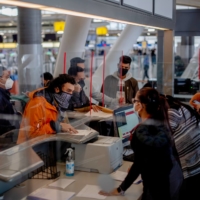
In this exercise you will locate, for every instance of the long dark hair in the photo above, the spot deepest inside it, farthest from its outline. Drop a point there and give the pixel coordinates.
(176, 104)
(156, 106)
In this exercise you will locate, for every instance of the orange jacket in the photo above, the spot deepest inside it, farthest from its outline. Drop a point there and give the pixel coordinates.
(36, 118)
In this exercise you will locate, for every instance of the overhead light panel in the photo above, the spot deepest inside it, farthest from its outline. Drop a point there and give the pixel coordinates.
(151, 29)
(12, 12)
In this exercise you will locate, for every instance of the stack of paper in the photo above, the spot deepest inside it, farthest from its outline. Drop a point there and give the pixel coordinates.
(62, 183)
(80, 133)
(50, 194)
(91, 191)
(99, 114)
(120, 176)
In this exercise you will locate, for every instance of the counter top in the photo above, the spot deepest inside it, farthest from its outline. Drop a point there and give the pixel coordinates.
(81, 179)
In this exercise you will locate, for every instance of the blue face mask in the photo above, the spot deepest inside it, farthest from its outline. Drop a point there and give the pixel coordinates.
(62, 99)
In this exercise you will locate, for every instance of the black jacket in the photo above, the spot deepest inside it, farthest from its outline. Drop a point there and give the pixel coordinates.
(152, 148)
(6, 108)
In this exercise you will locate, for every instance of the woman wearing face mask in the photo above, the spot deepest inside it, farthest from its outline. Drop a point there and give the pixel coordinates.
(5, 81)
(152, 146)
(44, 113)
(6, 107)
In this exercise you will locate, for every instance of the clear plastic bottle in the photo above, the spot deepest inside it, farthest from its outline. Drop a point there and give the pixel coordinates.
(69, 162)
(121, 93)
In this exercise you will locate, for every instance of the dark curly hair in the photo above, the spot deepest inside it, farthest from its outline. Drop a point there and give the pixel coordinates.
(46, 76)
(60, 81)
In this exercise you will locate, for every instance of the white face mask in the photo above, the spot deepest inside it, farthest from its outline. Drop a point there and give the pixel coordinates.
(9, 83)
(136, 112)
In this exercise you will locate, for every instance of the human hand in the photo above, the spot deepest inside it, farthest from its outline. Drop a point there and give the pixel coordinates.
(121, 100)
(112, 193)
(68, 128)
(77, 88)
(96, 108)
(198, 107)
(26, 93)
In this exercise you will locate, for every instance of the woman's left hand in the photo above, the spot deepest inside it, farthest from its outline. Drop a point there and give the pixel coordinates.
(112, 193)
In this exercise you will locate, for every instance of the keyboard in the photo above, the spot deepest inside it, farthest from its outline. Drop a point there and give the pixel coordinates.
(128, 155)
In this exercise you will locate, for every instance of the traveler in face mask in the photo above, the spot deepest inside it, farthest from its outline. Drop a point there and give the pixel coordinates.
(46, 77)
(6, 107)
(5, 81)
(122, 77)
(44, 113)
(79, 98)
(84, 84)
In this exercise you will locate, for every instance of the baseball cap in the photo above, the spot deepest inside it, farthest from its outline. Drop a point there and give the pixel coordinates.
(76, 60)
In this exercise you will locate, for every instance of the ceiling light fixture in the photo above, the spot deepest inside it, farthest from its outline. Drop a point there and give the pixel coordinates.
(151, 30)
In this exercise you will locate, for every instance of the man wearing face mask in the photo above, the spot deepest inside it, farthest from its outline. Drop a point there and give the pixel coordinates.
(46, 77)
(79, 99)
(84, 84)
(45, 112)
(122, 80)
(6, 107)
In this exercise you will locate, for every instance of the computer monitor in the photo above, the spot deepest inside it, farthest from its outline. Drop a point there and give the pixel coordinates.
(125, 120)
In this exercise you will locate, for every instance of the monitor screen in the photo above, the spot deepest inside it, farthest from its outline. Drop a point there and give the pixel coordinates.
(125, 121)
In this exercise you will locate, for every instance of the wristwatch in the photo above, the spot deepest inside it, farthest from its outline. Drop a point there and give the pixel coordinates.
(121, 192)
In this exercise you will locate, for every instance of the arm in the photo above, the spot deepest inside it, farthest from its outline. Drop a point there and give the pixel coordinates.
(131, 177)
(98, 96)
(195, 97)
(174, 118)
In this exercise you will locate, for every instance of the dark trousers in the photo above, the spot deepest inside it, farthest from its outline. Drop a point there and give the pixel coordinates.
(146, 68)
(190, 188)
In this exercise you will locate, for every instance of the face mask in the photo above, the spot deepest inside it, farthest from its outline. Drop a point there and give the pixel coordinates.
(136, 112)
(62, 99)
(82, 83)
(9, 84)
(122, 71)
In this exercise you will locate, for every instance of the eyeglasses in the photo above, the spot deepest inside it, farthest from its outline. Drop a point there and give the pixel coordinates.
(135, 100)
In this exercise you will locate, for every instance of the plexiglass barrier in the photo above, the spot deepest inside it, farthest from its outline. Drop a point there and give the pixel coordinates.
(35, 111)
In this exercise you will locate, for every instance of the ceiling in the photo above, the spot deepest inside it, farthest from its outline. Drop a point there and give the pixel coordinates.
(8, 22)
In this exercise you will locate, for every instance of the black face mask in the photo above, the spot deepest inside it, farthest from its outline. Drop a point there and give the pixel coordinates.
(82, 83)
(122, 71)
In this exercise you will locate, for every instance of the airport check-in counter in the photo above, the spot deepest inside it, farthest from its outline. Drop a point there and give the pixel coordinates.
(20, 160)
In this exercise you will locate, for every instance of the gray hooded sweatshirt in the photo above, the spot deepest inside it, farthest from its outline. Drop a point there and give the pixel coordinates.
(130, 86)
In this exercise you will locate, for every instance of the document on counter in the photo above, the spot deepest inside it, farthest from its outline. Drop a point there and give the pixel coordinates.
(80, 133)
(91, 191)
(50, 194)
(99, 114)
(62, 183)
(120, 176)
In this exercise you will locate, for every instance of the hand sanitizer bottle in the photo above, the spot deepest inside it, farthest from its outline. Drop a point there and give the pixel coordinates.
(69, 163)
